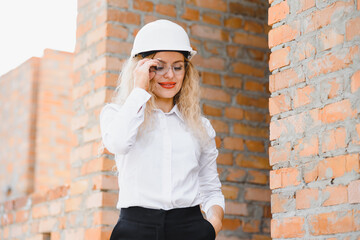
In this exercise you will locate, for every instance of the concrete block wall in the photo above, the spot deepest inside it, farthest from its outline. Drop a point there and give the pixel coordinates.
(314, 128)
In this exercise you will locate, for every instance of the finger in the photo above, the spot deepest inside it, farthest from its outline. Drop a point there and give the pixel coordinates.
(151, 75)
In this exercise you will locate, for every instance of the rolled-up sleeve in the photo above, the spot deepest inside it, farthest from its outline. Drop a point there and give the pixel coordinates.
(119, 124)
(210, 185)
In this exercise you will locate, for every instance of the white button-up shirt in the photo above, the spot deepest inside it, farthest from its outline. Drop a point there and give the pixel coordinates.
(165, 166)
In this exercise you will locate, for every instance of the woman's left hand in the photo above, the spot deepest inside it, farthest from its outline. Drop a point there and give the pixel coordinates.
(217, 224)
(215, 216)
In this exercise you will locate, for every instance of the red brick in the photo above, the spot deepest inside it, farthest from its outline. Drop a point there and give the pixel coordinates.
(105, 217)
(101, 199)
(251, 26)
(212, 18)
(220, 126)
(231, 224)
(290, 227)
(246, 69)
(22, 216)
(235, 175)
(305, 5)
(250, 40)
(284, 79)
(337, 166)
(218, 5)
(233, 82)
(230, 192)
(233, 22)
(255, 116)
(255, 146)
(279, 58)
(280, 153)
(250, 101)
(257, 194)
(97, 165)
(283, 34)
(145, 6)
(73, 204)
(281, 203)
(215, 94)
(234, 113)
(284, 177)
(225, 159)
(329, 38)
(254, 86)
(233, 143)
(279, 104)
(244, 9)
(252, 161)
(243, 129)
(40, 211)
(212, 110)
(211, 78)
(304, 96)
(111, 46)
(209, 32)
(257, 177)
(307, 147)
(235, 208)
(335, 195)
(333, 139)
(331, 223)
(118, 3)
(323, 17)
(122, 17)
(278, 12)
(191, 14)
(354, 191)
(211, 62)
(307, 198)
(252, 226)
(338, 111)
(78, 187)
(355, 82)
(166, 9)
(332, 62)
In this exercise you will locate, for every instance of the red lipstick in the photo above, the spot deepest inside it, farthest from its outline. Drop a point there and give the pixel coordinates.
(167, 85)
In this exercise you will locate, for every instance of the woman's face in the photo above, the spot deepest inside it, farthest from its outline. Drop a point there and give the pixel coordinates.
(169, 75)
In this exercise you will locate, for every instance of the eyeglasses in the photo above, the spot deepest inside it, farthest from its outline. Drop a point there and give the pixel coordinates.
(161, 69)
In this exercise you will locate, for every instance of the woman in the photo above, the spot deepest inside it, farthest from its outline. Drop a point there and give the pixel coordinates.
(164, 149)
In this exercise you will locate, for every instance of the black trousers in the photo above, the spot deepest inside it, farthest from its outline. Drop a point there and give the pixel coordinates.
(137, 223)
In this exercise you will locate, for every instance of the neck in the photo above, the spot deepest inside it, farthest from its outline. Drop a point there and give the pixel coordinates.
(165, 104)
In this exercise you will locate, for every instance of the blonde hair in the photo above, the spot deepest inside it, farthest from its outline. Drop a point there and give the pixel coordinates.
(187, 99)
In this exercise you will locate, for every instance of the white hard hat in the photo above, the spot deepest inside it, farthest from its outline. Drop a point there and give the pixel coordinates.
(162, 35)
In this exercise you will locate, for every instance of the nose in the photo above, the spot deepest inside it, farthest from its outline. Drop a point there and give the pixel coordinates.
(169, 73)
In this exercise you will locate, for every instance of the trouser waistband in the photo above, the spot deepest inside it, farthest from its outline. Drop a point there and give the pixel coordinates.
(155, 216)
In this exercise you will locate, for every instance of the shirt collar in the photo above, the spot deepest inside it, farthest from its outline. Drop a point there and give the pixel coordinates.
(175, 110)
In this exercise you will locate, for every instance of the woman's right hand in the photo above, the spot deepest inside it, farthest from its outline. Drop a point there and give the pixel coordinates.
(142, 74)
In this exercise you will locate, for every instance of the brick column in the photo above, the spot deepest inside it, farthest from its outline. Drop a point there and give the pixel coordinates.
(315, 128)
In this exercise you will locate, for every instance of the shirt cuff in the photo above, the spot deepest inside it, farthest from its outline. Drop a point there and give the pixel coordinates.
(135, 101)
(218, 201)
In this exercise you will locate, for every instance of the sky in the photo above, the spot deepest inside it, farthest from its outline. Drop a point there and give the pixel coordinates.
(27, 27)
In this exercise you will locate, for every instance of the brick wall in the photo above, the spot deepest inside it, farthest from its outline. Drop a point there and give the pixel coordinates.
(17, 129)
(54, 138)
(314, 129)
(231, 38)
(35, 131)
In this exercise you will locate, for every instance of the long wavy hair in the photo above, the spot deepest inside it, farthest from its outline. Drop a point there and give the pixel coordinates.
(187, 99)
